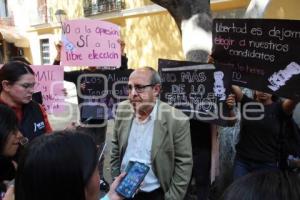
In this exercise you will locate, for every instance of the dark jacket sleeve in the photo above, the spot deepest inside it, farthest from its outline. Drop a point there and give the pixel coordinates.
(72, 76)
(68, 76)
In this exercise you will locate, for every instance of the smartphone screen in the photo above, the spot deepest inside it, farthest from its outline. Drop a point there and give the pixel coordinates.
(132, 180)
(37, 97)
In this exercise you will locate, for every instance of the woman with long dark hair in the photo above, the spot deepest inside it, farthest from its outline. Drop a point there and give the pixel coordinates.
(60, 166)
(10, 138)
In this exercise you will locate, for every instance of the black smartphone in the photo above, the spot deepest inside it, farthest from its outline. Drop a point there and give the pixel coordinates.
(37, 97)
(131, 182)
(87, 120)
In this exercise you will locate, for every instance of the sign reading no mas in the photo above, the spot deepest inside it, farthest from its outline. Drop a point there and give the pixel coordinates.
(195, 89)
(263, 53)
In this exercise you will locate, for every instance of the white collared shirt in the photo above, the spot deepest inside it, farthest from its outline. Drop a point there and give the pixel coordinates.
(139, 148)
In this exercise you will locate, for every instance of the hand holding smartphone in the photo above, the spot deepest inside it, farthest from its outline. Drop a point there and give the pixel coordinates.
(134, 177)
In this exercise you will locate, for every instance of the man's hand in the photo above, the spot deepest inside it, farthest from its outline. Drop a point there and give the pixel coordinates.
(82, 86)
(210, 60)
(58, 51)
(230, 101)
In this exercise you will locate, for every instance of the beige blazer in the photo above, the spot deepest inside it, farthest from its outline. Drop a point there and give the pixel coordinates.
(171, 153)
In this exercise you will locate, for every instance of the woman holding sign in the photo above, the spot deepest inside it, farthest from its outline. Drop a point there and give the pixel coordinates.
(259, 144)
(16, 88)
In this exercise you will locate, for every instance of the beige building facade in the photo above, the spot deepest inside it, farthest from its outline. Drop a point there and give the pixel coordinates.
(147, 29)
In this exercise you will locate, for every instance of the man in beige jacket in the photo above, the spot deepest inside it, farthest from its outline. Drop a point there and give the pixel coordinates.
(150, 131)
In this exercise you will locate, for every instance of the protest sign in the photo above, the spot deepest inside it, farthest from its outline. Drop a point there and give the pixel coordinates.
(90, 43)
(101, 91)
(263, 53)
(196, 89)
(49, 81)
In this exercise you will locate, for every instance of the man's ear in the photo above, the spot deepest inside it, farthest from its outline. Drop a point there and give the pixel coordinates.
(157, 89)
(5, 85)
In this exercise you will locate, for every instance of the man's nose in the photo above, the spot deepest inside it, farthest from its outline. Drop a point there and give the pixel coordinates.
(133, 92)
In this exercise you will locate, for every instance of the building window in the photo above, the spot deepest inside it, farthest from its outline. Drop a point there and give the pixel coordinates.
(3, 8)
(42, 11)
(45, 51)
(93, 7)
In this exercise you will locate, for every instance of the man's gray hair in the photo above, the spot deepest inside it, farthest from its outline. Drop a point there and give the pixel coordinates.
(155, 77)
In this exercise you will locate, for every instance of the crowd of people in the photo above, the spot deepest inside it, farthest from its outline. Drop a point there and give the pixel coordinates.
(65, 164)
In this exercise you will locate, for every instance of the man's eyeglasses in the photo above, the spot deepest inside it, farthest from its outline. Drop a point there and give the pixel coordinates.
(139, 88)
(27, 85)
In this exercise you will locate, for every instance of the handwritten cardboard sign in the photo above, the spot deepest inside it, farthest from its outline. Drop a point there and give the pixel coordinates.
(91, 43)
(263, 53)
(102, 91)
(196, 89)
(49, 81)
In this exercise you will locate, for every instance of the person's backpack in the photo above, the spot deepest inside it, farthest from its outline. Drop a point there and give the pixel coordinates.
(290, 142)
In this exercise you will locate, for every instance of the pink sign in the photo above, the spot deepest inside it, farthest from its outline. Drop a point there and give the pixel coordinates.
(1, 65)
(49, 81)
(91, 43)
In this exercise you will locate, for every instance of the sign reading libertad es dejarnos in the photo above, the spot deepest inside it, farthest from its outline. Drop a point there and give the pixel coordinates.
(263, 53)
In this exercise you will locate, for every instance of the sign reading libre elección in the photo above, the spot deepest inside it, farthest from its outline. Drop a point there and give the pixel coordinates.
(196, 89)
(90, 43)
(263, 53)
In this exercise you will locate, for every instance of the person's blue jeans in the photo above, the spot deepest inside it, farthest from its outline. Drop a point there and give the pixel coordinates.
(243, 167)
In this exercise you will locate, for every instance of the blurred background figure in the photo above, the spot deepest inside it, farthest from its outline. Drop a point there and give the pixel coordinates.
(99, 124)
(124, 59)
